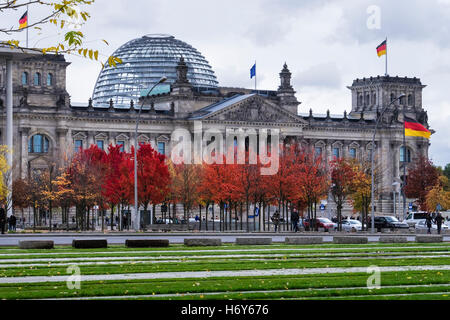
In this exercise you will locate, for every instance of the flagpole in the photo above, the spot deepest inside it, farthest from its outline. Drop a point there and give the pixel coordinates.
(405, 155)
(28, 19)
(386, 59)
(255, 76)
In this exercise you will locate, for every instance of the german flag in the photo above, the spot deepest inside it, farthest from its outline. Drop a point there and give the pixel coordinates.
(381, 49)
(24, 20)
(415, 129)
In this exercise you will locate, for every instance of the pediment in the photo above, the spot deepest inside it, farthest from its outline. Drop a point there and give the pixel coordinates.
(255, 109)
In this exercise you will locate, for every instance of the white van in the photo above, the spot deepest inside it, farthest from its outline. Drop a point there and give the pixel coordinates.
(414, 217)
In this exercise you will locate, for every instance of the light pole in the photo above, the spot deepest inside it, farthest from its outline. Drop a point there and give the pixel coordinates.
(395, 184)
(137, 214)
(373, 157)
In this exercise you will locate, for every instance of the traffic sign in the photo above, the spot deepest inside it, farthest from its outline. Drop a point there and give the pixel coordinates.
(322, 207)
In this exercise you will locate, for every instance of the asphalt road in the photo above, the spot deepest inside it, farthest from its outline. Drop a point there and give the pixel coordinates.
(66, 239)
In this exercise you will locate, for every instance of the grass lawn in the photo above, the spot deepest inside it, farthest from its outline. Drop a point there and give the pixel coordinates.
(426, 284)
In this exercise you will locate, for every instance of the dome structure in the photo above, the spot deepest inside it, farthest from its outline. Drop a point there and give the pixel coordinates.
(145, 61)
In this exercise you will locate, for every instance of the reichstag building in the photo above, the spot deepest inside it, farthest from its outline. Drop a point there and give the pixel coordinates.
(48, 127)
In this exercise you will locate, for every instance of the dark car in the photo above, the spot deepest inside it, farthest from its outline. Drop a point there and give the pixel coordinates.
(388, 222)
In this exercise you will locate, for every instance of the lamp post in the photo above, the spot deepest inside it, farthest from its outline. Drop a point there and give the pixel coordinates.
(136, 206)
(395, 184)
(373, 157)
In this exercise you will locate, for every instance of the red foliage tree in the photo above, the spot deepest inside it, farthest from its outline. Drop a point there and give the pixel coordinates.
(422, 176)
(343, 184)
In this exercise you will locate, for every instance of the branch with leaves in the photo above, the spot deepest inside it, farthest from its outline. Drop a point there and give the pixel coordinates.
(60, 14)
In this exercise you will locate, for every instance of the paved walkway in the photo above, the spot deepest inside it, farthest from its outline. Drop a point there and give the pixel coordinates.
(210, 274)
(119, 238)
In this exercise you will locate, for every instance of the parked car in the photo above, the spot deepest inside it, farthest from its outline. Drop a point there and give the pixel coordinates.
(351, 225)
(325, 223)
(414, 217)
(388, 222)
(422, 225)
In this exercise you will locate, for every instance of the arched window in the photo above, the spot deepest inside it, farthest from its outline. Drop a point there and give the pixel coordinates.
(37, 79)
(402, 101)
(49, 79)
(392, 97)
(367, 102)
(374, 99)
(38, 144)
(405, 157)
(24, 78)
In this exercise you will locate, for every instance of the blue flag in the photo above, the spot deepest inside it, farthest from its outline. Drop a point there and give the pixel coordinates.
(253, 72)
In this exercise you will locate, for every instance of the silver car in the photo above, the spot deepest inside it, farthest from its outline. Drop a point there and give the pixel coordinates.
(351, 225)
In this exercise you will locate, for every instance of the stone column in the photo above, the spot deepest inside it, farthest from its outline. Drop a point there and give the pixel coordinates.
(63, 148)
(90, 139)
(24, 132)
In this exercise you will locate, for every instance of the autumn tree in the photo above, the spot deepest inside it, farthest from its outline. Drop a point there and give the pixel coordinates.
(153, 176)
(21, 195)
(112, 189)
(422, 176)
(86, 173)
(185, 185)
(64, 196)
(69, 16)
(312, 183)
(343, 174)
(439, 194)
(4, 174)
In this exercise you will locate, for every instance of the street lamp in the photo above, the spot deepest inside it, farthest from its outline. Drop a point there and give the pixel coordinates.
(395, 184)
(373, 156)
(137, 215)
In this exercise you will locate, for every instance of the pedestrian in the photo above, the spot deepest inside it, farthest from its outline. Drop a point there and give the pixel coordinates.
(2, 219)
(276, 220)
(439, 219)
(12, 222)
(429, 222)
(294, 219)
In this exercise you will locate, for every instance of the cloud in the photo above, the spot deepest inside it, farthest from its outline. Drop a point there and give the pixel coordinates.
(411, 20)
(326, 75)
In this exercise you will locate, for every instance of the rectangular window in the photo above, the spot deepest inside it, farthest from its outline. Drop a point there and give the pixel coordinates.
(78, 145)
(100, 144)
(122, 145)
(336, 152)
(161, 147)
(318, 151)
(353, 153)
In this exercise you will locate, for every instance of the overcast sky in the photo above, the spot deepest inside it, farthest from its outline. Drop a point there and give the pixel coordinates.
(326, 44)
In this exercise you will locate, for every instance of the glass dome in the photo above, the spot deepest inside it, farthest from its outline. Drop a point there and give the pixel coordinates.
(145, 61)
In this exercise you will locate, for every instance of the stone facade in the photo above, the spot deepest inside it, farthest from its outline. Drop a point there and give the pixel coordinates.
(44, 109)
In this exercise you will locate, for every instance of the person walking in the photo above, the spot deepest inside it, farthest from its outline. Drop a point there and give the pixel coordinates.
(439, 219)
(12, 222)
(2, 219)
(276, 220)
(294, 219)
(429, 222)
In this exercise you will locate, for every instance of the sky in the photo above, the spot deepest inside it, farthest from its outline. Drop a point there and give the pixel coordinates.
(326, 44)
